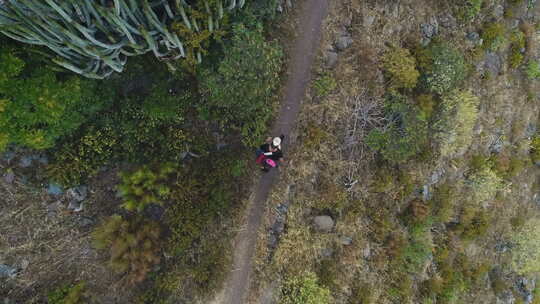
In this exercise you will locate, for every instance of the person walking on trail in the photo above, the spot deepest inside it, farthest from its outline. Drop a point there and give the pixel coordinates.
(269, 154)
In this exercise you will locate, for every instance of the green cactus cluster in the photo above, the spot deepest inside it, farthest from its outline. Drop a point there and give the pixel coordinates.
(94, 37)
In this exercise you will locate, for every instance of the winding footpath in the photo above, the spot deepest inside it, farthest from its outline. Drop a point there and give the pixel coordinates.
(312, 13)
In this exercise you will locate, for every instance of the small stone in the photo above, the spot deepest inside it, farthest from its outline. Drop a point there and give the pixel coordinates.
(473, 36)
(514, 23)
(54, 189)
(86, 222)
(498, 11)
(368, 20)
(9, 177)
(448, 21)
(24, 264)
(345, 240)
(75, 206)
(366, 252)
(331, 59)
(282, 208)
(343, 42)
(278, 227)
(425, 41)
(493, 63)
(25, 161)
(7, 271)
(323, 223)
(327, 252)
(429, 30)
(78, 193)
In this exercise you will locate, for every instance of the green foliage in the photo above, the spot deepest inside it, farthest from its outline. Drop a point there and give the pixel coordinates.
(535, 149)
(146, 185)
(483, 184)
(468, 9)
(426, 105)
(456, 120)
(400, 67)
(526, 251)
(67, 294)
(420, 246)
(533, 70)
(443, 202)
(405, 137)
(493, 35)
(304, 289)
(324, 84)
(518, 43)
(239, 93)
(93, 38)
(315, 136)
(36, 106)
(442, 67)
(134, 245)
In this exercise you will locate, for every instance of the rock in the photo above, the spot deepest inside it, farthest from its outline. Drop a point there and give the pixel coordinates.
(52, 209)
(24, 264)
(431, 29)
(493, 63)
(447, 21)
(86, 221)
(25, 161)
(426, 194)
(473, 36)
(9, 177)
(514, 23)
(282, 209)
(272, 241)
(368, 20)
(78, 193)
(330, 59)
(323, 223)
(54, 189)
(502, 247)
(506, 297)
(425, 41)
(76, 206)
(366, 252)
(8, 156)
(278, 227)
(343, 42)
(327, 252)
(498, 11)
(345, 240)
(437, 175)
(7, 271)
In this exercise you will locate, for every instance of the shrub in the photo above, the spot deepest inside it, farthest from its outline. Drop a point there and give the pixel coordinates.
(443, 201)
(134, 245)
(420, 247)
(493, 35)
(405, 136)
(67, 294)
(533, 70)
(442, 67)
(456, 120)
(518, 43)
(483, 185)
(324, 85)
(526, 250)
(145, 186)
(468, 9)
(535, 149)
(36, 106)
(239, 93)
(426, 104)
(400, 67)
(304, 289)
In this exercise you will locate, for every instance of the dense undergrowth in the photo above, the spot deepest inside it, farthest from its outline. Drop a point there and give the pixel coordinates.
(179, 140)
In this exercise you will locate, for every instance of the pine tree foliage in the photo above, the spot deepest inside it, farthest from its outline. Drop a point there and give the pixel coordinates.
(145, 186)
(95, 37)
(133, 244)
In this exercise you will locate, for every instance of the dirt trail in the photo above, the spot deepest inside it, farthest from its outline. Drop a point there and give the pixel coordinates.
(299, 71)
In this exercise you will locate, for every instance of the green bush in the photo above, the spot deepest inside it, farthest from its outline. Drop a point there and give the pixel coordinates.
(493, 35)
(468, 9)
(134, 245)
(240, 92)
(535, 149)
(442, 67)
(526, 250)
(518, 43)
(36, 106)
(483, 184)
(67, 294)
(145, 186)
(405, 137)
(304, 289)
(457, 117)
(324, 85)
(420, 246)
(400, 66)
(533, 70)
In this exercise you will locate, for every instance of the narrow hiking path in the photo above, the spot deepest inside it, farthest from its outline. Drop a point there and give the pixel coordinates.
(304, 50)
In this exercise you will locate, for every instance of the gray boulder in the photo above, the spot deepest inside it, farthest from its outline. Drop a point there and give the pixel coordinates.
(330, 59)
(9, 177)
(323, 223)
(343, 42)
(7, 271)
(78, 193)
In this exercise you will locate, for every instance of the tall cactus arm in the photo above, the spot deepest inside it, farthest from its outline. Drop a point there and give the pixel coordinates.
(60, 11)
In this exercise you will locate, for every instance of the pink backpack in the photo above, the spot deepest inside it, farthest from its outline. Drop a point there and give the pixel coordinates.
(271, 163)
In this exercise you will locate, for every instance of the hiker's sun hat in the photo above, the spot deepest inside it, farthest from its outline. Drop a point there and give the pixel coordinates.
(276, 142)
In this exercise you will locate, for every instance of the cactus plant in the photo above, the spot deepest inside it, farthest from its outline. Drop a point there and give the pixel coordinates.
(94, 37)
